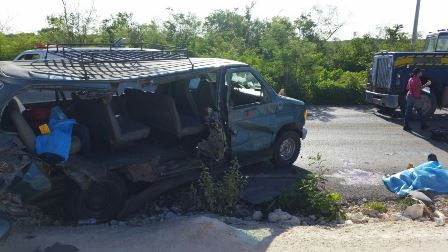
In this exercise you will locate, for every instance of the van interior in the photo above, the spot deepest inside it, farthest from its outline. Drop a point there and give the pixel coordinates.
(128, 127)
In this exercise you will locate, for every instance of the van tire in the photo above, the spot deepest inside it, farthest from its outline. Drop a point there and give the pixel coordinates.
(286, 148)
(102, 200)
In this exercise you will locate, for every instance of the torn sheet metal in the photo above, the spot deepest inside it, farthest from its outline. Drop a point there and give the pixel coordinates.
(215, 146)
(12, 159)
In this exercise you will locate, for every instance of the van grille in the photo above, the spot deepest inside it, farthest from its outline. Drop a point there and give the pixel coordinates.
(382, 71)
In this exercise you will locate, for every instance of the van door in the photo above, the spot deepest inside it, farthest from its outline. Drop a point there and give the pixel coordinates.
(251, 114)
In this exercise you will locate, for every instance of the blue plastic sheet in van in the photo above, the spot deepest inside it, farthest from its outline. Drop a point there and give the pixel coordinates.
(59, 141)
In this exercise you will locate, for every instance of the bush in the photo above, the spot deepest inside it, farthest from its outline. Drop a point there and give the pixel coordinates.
(219, 196)
(311, 196)
(337, 88)
(403, 203)
(377, 206)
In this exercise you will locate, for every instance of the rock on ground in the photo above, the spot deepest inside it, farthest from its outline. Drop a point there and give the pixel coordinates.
(358, 218)
(414, 212)
(283, 217)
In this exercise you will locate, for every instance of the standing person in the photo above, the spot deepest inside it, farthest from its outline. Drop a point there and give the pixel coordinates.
(413, 98)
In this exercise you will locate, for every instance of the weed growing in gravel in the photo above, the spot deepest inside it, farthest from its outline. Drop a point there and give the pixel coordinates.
(311, 196)
(403, 203)
(219, 196)
(376, 205)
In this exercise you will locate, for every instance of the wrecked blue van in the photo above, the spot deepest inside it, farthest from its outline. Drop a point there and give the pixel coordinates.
(144, 121)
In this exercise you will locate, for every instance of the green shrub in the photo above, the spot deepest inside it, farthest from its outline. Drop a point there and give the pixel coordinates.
(376, 205)
(219, 196)
(403, 203)
(337, 88)
(311, 196)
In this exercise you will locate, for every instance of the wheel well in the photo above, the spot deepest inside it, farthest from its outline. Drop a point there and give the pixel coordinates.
(290, 126)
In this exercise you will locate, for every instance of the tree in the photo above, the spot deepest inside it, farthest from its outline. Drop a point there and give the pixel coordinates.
(395, 33)
(5, 25)
(182, 29)
(72, 26)
(120, 25)
(319, 24)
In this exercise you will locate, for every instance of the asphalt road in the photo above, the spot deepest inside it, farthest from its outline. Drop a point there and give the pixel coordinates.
(359, 146)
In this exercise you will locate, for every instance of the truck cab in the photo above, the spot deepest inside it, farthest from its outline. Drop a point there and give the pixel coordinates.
(437, 42)
(390, 73)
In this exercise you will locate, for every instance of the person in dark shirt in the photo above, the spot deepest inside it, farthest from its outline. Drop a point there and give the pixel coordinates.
(413, 98)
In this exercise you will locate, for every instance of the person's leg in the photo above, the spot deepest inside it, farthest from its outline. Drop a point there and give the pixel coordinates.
(408, 112)
(418, 108)
(421, 119)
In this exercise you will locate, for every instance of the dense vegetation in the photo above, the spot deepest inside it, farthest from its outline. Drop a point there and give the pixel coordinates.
(300, 56)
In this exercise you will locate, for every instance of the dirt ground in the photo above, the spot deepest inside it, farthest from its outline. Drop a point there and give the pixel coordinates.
(200, 233)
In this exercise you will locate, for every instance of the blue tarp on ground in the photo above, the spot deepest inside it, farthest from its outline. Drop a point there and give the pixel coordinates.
(430, 176)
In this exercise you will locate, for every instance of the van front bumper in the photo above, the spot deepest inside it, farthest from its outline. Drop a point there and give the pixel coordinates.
(384, 100)
(304, 133)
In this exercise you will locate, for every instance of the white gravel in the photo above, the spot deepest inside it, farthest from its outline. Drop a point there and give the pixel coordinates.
(201, 233)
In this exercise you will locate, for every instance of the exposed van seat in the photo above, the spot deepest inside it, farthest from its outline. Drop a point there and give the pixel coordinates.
(159, 111)
(98, 116)
(206, 91)
(15, 110)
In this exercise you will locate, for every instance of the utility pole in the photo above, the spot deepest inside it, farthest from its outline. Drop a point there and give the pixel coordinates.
(414, 33)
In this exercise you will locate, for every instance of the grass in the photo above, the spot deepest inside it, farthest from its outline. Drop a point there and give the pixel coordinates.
(376, 205)
(403, 203)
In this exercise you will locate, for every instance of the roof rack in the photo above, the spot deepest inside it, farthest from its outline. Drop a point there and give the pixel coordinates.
(78, 57)
(98, 53)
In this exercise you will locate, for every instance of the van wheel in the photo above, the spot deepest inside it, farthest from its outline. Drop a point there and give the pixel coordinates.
(286, 148)
(103, 200)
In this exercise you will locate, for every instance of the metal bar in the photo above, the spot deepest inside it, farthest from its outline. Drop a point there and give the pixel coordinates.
(414, 32)
(120, 56)
(115, 63)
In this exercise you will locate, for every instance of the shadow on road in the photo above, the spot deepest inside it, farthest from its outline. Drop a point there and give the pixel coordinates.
(266, 182)
(328, 113)
(437, 120)
(320, 113)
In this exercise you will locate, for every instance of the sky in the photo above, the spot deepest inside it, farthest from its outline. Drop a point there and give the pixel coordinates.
(359, 16)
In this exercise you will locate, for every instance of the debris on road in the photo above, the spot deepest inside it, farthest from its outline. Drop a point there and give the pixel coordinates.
(440, 134)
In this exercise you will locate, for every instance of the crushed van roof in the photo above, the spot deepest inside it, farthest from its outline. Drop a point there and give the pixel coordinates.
(60, 70)
(108, 66)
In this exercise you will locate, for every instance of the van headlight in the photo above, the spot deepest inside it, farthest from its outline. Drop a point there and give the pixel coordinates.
(305, 114)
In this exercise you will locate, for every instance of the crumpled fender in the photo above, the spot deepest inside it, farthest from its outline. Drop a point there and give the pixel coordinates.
(20, 173)
(6, 225)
